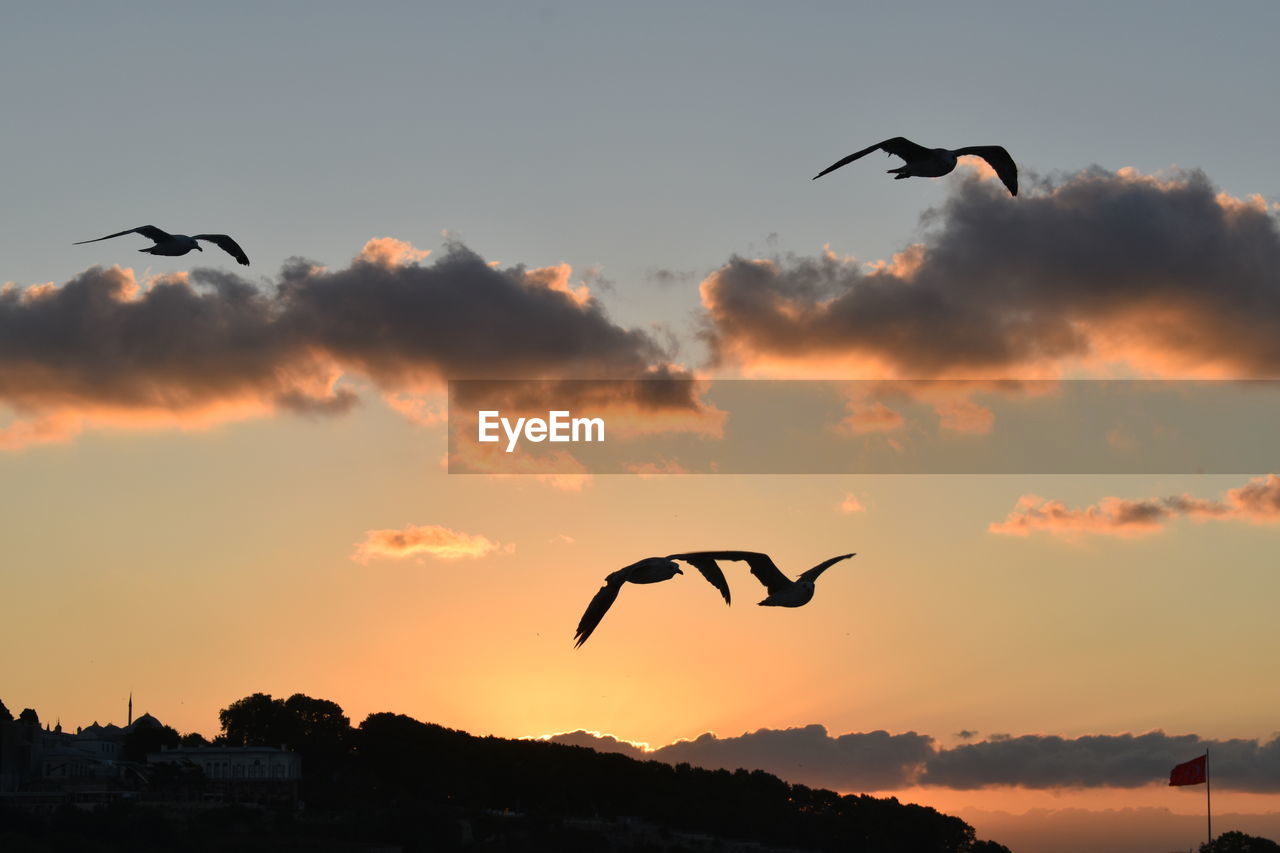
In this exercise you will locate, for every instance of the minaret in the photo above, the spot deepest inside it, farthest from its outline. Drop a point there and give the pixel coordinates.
(130, 709)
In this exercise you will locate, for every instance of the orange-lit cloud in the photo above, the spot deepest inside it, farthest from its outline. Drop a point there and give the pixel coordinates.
(851, 504)
(1258, 501)
(978, 167)
(421, 409)
(1120, 439)
(101, 346)
(866, 417)
(904, 264)
(63, 423)
(459, 318)
(557, 278)
(950, 400)
(1103, 274)
(965, 416)
(430, 540)
(49, 428)
(660, 468)
(1111, 516)
(204, 345)
(389, 252)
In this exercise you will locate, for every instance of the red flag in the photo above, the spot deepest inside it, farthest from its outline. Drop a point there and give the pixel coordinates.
(1189, 773)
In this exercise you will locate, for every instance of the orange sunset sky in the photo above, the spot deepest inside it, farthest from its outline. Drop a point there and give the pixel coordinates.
(223, 480)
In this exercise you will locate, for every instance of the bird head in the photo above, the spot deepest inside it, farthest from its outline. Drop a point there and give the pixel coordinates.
(668, 564)
(665, 563)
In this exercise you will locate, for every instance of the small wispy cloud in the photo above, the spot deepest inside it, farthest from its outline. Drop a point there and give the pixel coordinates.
(430, 540)
(850, 504)
(422, 409)
(965, 416)
(1258, 502)
(867, 417)
(656, 468)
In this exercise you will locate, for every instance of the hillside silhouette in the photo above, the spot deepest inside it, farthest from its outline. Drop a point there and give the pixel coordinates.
(413, 786)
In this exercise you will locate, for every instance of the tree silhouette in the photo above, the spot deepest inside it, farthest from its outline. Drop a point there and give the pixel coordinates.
(195, 739)
(299, 722)
(257, 720)
(320, 725)
(315, 728)
(1238, 842)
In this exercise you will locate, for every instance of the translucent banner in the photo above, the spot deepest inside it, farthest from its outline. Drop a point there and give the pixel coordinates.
(650, 427)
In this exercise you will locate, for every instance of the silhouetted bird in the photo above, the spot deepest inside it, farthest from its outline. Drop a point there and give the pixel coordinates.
(178, 244)
(935, 162)
(648, 570)
(783, 592)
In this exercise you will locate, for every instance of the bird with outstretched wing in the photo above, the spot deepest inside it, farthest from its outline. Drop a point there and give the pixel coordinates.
(924, 162)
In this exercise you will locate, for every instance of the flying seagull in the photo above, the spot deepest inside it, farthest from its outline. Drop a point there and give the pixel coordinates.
(648, 570)
(783, 592)
(935, 162)
(178, 244)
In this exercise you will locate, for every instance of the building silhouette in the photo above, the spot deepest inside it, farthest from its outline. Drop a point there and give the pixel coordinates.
(43, 766)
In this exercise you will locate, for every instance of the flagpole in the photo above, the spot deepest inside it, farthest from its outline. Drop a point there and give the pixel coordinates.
(1208, 808)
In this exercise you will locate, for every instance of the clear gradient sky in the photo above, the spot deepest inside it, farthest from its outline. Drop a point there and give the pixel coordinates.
(195, 528)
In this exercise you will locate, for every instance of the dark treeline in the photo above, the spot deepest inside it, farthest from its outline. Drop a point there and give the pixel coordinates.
(391, 760)
(395, 780)
(534, 776)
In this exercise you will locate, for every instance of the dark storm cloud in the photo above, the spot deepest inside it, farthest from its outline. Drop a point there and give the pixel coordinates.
(99, 340)
(457, 317)
(1164, 273)
(185, 344)
(879, 761)
(867, 761)
(600, 743)
(1122, 761)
